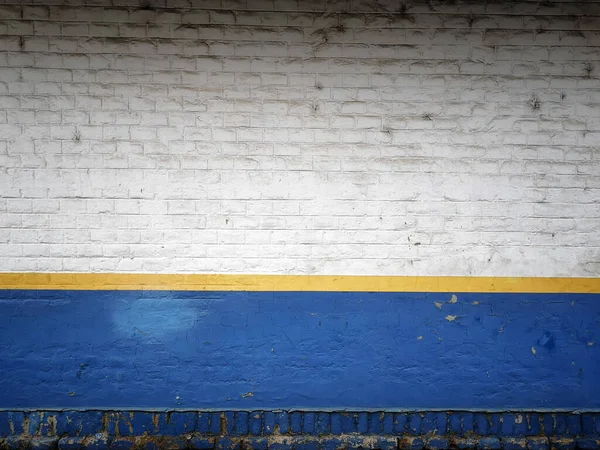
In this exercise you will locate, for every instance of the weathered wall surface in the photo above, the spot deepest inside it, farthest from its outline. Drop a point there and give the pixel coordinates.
(304, 138)
(300, 137)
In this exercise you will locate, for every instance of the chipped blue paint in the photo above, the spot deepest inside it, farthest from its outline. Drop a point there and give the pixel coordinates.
(244, 350)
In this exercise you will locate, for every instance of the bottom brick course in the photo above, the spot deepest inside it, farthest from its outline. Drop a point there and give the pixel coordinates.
(298, 430)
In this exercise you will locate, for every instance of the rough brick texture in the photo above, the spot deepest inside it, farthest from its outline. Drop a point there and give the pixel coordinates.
(173, 430)
(297, 136)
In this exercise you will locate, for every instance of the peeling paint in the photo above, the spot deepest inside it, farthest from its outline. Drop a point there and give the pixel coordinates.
(248, 394)
(533, 350)
(438, 305)
(451, 318)
(453, 299)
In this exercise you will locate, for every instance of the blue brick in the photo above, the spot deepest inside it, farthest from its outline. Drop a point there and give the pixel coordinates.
(489, 443)
(520, 425)
(588, 424)
(229, 422)
(362, 422)
(437, 443)
(176, 423)
(574, 424)
(4, 424)
(35, 422)
(71, 443)
(386, 443)
(282, 444)
(468, 423)
(513, 425)
(17, 442)
(414, 424)
(387, 425)
(465, 443)
(323, 423)
(112, 419)
(534, 427)
(356, 442)
(333, 444)
(348, 423)
(134, 424)
(400, 422)
(514, 444)
(97, 442)
(482, 425)
(256, 424)
(336, 423)
(44, 443)
(538, 443)
(91, 422)
(307, 444)
(241, 424)
(588, 444)
(507, 425)
(269, 419)
(215, 424)
(547, 423)
(282, 420)
(296, 422)
(256, 443)
(561, 425)
(562, 444)
(435, 423)
(203, 422)
(202, 443)
(121, 444)
(495, 423)
(455, 423)
(47, 427)
(308, 423)
(225, 443)
(412, 443)
(17, 421)
(374, 425)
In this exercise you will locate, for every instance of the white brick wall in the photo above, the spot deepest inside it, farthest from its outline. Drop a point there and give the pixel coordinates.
(296, 136)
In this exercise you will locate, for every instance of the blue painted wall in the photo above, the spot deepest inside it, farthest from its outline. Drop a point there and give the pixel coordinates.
(248, 350)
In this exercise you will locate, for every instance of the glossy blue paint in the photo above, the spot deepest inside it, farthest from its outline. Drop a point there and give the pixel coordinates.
(252, 350)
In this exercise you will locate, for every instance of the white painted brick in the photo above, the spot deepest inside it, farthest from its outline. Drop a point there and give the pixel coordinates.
(424, 126)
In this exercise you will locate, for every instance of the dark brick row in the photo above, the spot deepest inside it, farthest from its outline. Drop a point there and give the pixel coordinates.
(294, 423)
(342, 442)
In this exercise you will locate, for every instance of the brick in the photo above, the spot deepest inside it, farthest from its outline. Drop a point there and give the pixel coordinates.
(514, 444)
(489, 443)
(45, 443)
(537, 443)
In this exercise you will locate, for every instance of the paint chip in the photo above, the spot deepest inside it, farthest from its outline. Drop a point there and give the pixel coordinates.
(519, 418)
(438, 305)
(590, 344)
(420, 338)
(248, 394)
(453, 299)
(475, 302)
(533, 350)
(451, 318)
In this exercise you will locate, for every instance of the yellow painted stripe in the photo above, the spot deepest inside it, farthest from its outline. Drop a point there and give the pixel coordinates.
(330, 283)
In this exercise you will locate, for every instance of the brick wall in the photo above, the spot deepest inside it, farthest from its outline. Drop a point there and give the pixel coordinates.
(281, 136)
